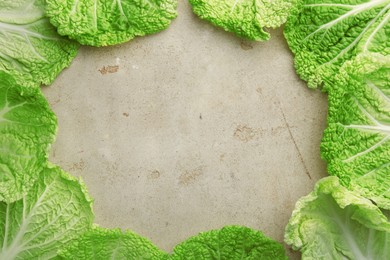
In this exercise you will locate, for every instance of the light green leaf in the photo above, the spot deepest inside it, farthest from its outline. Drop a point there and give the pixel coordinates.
(356, 143)
(246, 18)
(325, 34)
(30, 48)
(54, 211)
(27, 129)
(101, 22)
(231, 242)
(101, 244)
(335, 223)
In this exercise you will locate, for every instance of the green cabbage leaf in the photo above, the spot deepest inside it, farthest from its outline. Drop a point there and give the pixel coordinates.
(27, 129)
(245, 18)
(230, 242)
(335, 223)
(325, 34)
(54, 211)
(101, 22)
(101, 244)
(30, 48)
(356, 143)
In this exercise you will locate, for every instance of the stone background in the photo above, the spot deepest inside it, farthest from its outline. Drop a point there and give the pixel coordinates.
(188, 130)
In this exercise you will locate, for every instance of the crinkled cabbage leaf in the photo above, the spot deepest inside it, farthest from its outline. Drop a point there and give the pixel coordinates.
(101, 244)
(27, 129)
(335, 223)
(54, 211)
(101, 22)
(231, 242)
(325, 34)
(245, 18)
(30, 48)
(356, 143)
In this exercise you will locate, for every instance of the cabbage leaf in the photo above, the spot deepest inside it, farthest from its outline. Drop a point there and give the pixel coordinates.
(245, 18)
(335, 223)
(101, 244)
(230, 242)
(27, 129)
(356, 143)
(325, 34)
(101, 22)
(54, 211)
(30, 48)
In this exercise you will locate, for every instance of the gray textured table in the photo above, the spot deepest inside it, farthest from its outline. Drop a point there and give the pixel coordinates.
(188, 130)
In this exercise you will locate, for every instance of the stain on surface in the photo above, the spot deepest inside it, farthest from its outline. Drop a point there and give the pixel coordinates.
(245, 133)
(55, 102)
(190, 176)
(154, 175)
(78, 166)
(125, 114)
(233, 176)
(109, 69)
(112, 167)
(246, 45)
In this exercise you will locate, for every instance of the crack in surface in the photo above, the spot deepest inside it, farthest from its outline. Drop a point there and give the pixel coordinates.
(295, 143)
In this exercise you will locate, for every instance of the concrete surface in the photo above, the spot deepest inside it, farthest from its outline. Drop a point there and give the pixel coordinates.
(188, 130)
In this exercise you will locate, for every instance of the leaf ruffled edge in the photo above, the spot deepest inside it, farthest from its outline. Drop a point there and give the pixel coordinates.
(103, 238)
(41, 145)
(366, 213)
(354, 70)
(235, 238)
(261, 23)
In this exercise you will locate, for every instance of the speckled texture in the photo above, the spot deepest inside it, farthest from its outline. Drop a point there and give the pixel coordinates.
(189, 130)
(102, 23)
